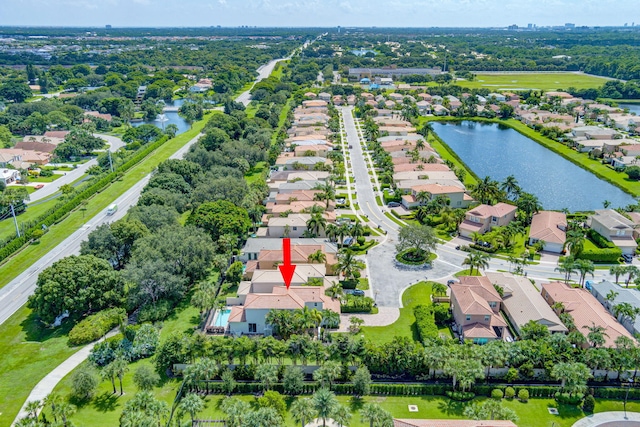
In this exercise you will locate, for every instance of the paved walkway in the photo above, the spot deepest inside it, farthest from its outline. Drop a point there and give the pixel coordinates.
(48, 383)
(385, 317)
(610, 419)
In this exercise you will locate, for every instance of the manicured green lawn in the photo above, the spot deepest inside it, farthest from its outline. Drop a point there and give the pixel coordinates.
(465, 272)
(405, 326)
(7, 227)
(57, 233)
(256, 173)
(44, 178)
(28, 353)
(524, 81)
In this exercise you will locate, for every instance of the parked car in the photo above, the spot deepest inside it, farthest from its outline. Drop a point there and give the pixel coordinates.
(356, 292)
(39, 186)
(393, 205)
(627, 258)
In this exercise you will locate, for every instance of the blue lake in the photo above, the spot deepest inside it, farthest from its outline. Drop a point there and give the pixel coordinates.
(171, 117)
(490, 149)
(633, 108)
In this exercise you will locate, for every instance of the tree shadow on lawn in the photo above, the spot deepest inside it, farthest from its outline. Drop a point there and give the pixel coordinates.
(37, 331)
(452, 407)
(356, 403)
(106, 402)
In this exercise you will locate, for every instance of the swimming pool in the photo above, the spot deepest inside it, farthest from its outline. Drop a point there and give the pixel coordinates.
(222, 318)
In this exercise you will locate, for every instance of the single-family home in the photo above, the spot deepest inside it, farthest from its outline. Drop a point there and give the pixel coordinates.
(294, 225)
(522, 302)
(9, 176)
(497, 96)
(250, 318)
(475, 305)
(456, 195)
(617, 300)
(585, 310)
(483, 218)
(551, 228)
(614, 227)
(253, 246)
(311, 150)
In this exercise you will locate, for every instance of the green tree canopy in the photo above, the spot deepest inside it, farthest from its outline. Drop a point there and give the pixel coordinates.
(221, 217)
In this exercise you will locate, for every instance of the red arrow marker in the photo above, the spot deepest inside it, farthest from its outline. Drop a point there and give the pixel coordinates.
(287, 269)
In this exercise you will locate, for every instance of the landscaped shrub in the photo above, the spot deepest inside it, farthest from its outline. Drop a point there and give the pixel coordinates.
(599, 240)
(356, 304)
(441, 314)
(425, 322)
(512, 375)
(510, 392)
(523, 395)
(155, 312)
(589, 403)
(461, 396)
(361, 240)
(96, 326)
(609, 255)
(569, 399)
(496, 393)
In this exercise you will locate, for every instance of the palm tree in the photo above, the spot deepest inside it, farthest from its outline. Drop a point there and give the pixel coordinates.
(192, 404)
(624, 311)
(267, 375)
(317, 257)
(335, 290)
(596, 335)
(343, 230)
(617, 271)
(631, 271)
(120, 368)
(529, 205)
(611, 297)
(423, 197)
(439, 289)
(574, 242)
(584, 267)
(327, 373)
(315, 224)
(348, 265)
(476, 259)
(357, 230)
(486, 191)
(327, 193)
(325, 404)
(235, 410)
(303, 410)
(64, 410)
(341, 415)
(375, 415)
(108, 373)
(567, 265)
(510, 186)
(331, 231)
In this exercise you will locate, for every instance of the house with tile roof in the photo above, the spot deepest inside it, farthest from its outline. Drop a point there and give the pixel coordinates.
(523, 303)
(483, 218)
(551, 228)
(458, 198)
(475, 305)
(585, 310)
(614, 227)
(602, 290)
(250, 318)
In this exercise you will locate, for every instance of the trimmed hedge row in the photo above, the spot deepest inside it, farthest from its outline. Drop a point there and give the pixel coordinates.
(610, 255)
(96, 326)
(599, 240)
(58, 213)
(425, 322)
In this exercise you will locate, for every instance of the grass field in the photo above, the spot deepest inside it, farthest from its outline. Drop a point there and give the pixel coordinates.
(525, 81)
(57, 233)
(420, 293)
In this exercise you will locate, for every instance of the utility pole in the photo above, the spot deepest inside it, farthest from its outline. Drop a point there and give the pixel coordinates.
(15, 221)
(110, 162)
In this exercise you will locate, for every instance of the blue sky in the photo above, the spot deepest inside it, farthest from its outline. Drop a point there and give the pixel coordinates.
(397, 13)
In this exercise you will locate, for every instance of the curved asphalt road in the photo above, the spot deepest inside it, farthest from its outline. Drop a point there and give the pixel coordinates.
(386, 280)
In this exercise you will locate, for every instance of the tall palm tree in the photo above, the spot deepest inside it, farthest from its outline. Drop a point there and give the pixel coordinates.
(529, 204)
(567, 266)
(611, 297)
(325, 404)
(617, 271)
(331, 231)
(423, 197)
(375, 415)
(348, 264)
(341, 415)
(510, 186)
(476, 259)
(596, 335)
(575, 242)
(631, 271)
(316, 224)
(191, 404)
(327, 193)
(121, 367)
(303, 410)
(486, 191)
(357, 230)
(584, 267)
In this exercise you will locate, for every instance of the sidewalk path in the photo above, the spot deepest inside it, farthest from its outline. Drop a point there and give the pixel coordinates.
(386, 316)
(610, 419)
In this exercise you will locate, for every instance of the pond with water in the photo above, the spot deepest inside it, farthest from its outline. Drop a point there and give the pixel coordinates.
(494, 150)
(633, 108)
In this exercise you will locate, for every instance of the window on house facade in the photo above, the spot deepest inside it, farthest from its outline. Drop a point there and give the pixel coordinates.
(480, 341)
(492, 304)
(253, 328)
(468, 317)
(295, 228)
(486, 318)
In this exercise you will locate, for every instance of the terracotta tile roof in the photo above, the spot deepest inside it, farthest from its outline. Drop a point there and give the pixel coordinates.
(437, 189)
(545, 226)
(299, 253)
(482, 286)
(477, 330)
(469, 301)
(585, 310)
(497, 210)
(56, 133)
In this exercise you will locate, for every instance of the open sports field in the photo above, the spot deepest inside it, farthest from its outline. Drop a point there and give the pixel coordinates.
(525, 81)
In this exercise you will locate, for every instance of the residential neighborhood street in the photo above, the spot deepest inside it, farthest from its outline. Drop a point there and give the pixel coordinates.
(386, 280)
